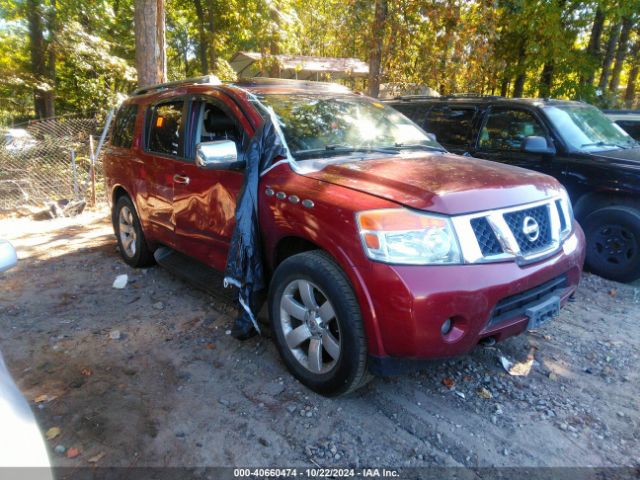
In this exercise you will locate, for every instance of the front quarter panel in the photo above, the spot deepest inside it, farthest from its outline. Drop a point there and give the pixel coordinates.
(329, 224)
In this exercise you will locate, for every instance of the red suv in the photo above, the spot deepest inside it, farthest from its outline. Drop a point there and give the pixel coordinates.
(379, 246)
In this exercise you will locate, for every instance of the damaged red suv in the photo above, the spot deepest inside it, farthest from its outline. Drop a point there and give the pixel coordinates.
(379, 246)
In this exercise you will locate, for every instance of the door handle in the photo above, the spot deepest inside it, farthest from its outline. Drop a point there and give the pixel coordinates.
(181, 179)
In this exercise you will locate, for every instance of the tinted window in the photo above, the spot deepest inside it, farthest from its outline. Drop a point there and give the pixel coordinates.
(165, 128)
(450, 125)
(122, 134)
(417, 113)
(632, 127)
(505, 130)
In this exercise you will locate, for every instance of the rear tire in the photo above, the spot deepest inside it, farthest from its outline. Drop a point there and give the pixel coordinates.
(317, 325)
(131, 242)
(613, 243)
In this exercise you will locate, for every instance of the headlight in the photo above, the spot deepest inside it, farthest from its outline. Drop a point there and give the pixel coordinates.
(565, 211)
(399, 235)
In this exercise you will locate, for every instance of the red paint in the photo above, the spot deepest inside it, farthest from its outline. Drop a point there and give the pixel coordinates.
(402, 307)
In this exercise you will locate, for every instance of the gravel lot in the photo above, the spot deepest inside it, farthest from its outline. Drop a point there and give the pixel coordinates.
(147, 376)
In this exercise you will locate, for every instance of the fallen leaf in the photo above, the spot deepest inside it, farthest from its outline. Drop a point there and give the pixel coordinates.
(448, 382)
(484, 393)
(87, 372)
(210, 346)
(52, 433)
(553, 376)
(44, 398)
(73, 452)
(96, 458)
(468, 378)
(520, 369)
(613, 292)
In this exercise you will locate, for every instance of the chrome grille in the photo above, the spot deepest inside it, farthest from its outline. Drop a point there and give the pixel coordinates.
(516, 222)
(487, 240)
(525, 233)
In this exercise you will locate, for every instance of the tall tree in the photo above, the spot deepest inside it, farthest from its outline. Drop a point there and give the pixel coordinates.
(202, 38)
(621, 53)
(375, 46)
(614, 35)
(630, 92)
(594, 47)
(151, 56)
(41, 70)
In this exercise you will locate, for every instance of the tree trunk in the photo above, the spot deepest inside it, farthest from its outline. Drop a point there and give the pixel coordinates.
(504, 86)
(614, 34)
(375, 48)
(593, 50)
(202, 38)
(151, 55)
(621, 54)
(37, 52)
(546, 79)
(630, 93)
(521, 76)
(211, 24)
(49, 96)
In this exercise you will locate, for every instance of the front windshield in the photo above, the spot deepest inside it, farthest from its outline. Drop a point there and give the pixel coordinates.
(317, 125)
(585, 128)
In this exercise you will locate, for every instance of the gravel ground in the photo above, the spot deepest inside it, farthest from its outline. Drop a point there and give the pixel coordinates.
(148, 376)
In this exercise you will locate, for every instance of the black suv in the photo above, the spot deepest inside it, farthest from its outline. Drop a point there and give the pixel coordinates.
(597, 161)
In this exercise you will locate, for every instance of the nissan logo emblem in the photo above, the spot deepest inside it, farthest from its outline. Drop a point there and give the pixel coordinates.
(530, 228)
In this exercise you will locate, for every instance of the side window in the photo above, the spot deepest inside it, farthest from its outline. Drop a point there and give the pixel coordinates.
(451, 125)
(216, 125)
(122, 133)
(505, 130)
(632, 127)
(165, 128)
(414, 112)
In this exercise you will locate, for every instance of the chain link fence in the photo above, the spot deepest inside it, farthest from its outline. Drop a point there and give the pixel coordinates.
(50, 161)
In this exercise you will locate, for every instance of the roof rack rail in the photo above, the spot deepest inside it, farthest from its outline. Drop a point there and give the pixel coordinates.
(206, 79)
(412, 97)
(472, 95)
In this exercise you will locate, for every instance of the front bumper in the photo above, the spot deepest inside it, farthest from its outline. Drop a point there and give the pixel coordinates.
(412, 302)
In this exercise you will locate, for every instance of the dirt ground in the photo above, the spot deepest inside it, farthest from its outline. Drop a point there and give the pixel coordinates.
(148, 376)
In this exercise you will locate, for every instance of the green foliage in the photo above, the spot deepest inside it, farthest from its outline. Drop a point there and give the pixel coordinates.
(484, 46)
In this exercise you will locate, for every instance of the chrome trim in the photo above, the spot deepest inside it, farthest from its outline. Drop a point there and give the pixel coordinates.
(470, 248)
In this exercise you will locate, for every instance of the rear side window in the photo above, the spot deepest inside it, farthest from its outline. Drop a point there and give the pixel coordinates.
(165, 128)
(451, 125)
(122, 134)
(632, 127)
(415, 112)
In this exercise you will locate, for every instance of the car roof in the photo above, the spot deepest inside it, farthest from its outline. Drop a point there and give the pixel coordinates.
(257, 85)
(466, 99)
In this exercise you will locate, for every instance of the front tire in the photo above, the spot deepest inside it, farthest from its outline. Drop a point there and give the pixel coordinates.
(613, 243)
(131, 242)
(317, 324)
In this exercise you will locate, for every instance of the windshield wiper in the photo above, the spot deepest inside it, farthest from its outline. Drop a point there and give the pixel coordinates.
(421, 146)
(349, 148)
(602, 144)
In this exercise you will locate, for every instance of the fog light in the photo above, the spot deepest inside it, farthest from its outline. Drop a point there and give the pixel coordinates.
(446, 327)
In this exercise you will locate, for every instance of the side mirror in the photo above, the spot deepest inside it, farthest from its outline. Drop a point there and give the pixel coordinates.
(539, 145)
(432, 136)
(8, 257)
(218, 155)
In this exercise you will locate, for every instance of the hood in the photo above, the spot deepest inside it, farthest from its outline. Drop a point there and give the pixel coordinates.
(441, 182)
(629, 158)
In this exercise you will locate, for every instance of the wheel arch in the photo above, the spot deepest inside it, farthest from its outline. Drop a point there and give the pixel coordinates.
(591, 202)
